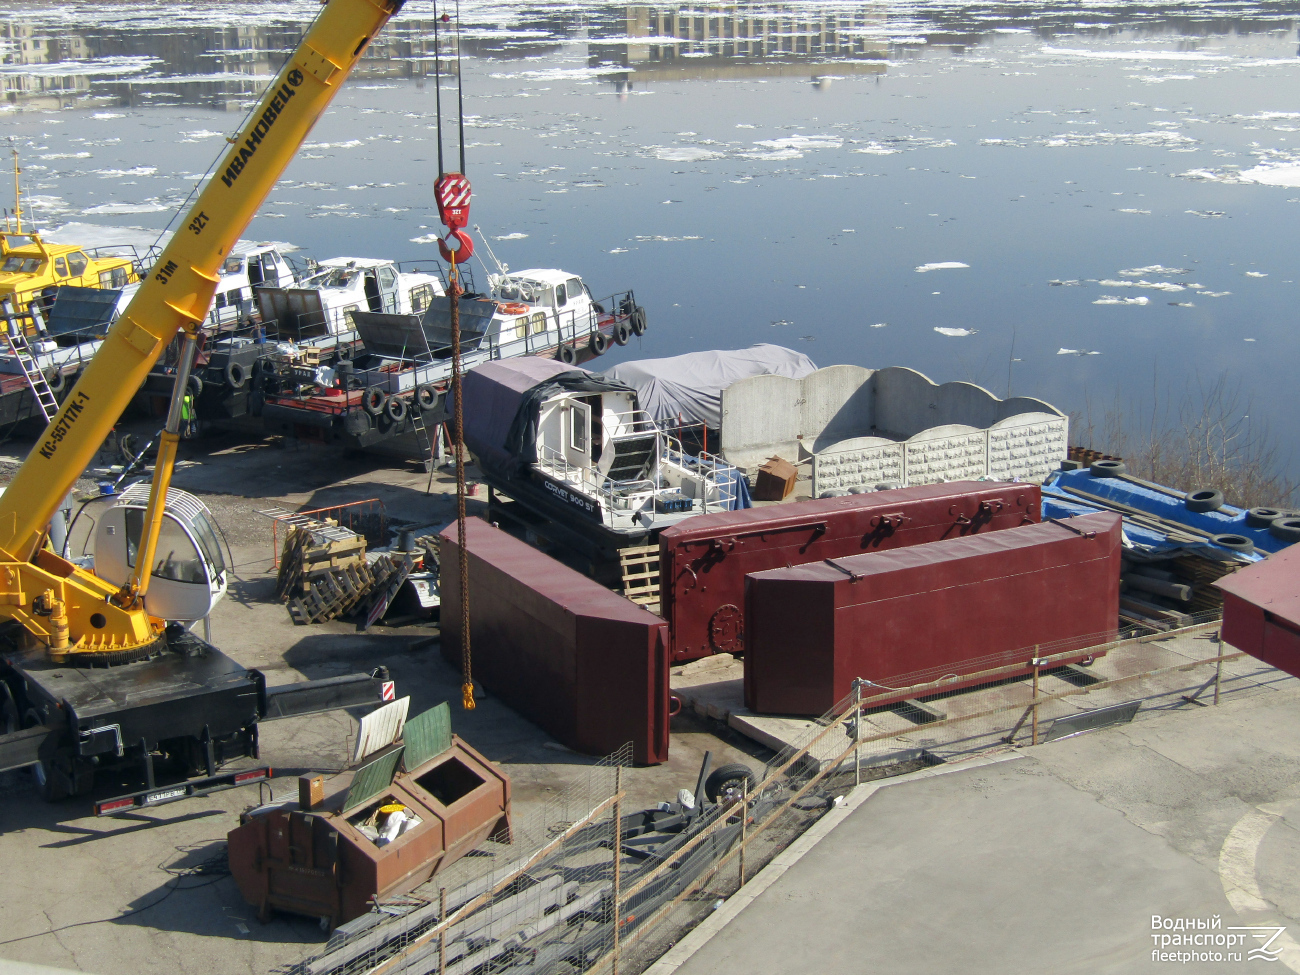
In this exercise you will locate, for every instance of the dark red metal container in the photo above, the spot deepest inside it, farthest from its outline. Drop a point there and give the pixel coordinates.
(915, 614)
(588, 666)
(703, 561)
(1261, 610)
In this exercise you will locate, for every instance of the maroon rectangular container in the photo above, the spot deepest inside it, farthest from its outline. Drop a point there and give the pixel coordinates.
(926, 610)
(703, 561)
(588, 666)
(1261, 610)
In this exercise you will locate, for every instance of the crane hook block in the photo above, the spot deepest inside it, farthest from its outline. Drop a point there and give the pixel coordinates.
(452, 193)
(463, 251)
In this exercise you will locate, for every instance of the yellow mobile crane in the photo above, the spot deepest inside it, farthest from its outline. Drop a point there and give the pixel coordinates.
(153, 686)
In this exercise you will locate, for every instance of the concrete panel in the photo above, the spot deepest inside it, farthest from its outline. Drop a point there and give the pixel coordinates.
(951, 453)
(837, 402)
(1029, 446)
(761, 417)
(877, 460)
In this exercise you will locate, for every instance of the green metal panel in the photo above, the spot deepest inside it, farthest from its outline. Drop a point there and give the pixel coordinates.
(372, 779)
(427, 734)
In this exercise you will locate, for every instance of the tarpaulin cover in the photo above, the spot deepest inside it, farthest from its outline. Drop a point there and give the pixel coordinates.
(691, 385)
(502, 401)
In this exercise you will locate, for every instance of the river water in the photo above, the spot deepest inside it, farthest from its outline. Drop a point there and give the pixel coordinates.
(1087, 202)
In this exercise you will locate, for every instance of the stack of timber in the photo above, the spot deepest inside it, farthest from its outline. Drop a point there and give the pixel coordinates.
(323, 572)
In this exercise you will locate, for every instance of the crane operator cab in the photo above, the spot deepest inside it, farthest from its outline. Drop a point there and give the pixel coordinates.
(188, 574)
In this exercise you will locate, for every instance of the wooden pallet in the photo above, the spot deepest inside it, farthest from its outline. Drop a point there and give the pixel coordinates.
(314, 547)
(331, 593)
(640, 566)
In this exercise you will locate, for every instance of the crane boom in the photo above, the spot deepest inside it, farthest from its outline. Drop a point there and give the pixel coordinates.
(60, 604)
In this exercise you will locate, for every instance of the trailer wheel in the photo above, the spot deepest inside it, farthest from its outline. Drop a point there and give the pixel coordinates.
(375, 400)
(729, 782)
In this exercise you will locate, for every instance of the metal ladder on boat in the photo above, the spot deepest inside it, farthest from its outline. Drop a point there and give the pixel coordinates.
(416, 415)
(14, 335)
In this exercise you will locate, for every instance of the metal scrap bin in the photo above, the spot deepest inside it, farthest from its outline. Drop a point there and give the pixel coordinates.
(585, 664)
(703, 561)
(322, 862)
(913, 615)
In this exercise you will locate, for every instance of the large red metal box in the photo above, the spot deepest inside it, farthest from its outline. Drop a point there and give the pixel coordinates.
(588, 666)
(703, 561)
(813, 629)
(1261, 610)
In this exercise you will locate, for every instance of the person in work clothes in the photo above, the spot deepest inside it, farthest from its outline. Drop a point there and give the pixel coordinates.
(188, 419)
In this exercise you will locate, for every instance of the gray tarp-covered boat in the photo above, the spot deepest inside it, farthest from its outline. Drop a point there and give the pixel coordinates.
(690, 386)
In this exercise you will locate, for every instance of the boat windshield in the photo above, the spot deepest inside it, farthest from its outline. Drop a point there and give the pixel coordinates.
(22, 265)
(233, 265)
(521, 289)
(335, 277)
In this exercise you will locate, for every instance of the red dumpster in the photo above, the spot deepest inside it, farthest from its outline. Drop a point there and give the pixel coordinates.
(703, 561)
(902, 617)
(585, 664)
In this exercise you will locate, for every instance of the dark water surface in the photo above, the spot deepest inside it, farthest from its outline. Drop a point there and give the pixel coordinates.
(764, 173)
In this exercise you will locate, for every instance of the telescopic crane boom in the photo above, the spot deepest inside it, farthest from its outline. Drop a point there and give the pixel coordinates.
(74, 613)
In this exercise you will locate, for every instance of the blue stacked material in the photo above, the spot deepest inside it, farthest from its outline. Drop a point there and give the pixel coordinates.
(1156, 518)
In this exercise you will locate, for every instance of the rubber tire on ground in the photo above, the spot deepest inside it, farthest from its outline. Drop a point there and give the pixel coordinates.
(374, 401)
(1233, 543)
(236, 375)
(1107, 468)
(728, 777)
(426, 397)
(56, 380)
(1285, 530)
(598, 343)
(1204, 499)
(622, 333)
(637, 320)
(567, 354)
(1262, 517)
(395, 409)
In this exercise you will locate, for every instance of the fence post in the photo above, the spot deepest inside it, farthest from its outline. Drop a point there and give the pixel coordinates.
(857, 732)
(618, 856)
(1034, 731)
(744, 827)
(442, 935)
(1218, 669)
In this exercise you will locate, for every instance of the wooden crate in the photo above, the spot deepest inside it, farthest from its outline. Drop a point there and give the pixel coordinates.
(640, 567)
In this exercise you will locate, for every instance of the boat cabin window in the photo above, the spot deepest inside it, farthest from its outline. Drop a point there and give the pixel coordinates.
(77, 262)
(574, 288)
(579, 426)
(519, 289)
(233, 265)
(539, 322)
(387, 279)
(60, 267)
(175, 558)
(113, 278)
(22, 265)
(521, 326)
(421, 295)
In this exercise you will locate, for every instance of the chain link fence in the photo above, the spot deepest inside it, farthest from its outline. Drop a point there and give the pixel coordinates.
(577, 895)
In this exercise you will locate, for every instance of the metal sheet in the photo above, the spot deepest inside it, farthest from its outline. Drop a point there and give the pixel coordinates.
(427, 734)
(380, 728)
(82, 310)
(1077, 724)
(587, 665)
(372, 779)
(703, 561)
(910, 615)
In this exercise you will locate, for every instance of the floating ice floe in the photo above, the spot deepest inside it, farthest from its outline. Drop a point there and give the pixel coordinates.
(665, 240)
(1134, 55)
(955, 333)
(1153, 269)
(105, 116)
(95, 235)
(1256, 274)
(199, 135)
(939, 266)
(1143, 283)
(619, 250)
(512, 236)
(1076, 352)
(684, 153)
(1158, 137)
(426, 239)
(876, 149)
(1206, 213)
(1071, 283)
(349, 144)
(1182, 304)
(1214, 294)
(880, 325)
(118, 173)
(66, 155)
(1248, 340)
(1116, 300)
(150, 206)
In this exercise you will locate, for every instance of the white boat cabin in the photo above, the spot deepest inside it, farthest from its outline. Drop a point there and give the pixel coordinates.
(249, 266)
(349, 284)
(599, 452)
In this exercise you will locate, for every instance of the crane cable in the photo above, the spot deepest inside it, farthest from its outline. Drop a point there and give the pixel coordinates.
(453, 194)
